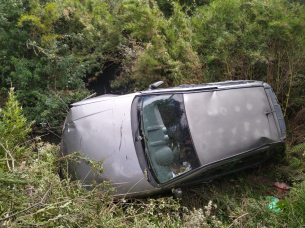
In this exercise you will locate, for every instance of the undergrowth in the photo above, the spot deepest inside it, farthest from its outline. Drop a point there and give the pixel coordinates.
(32, 193)
(35, 195)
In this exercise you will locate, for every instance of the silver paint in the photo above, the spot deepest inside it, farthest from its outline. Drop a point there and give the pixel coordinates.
(224, 120)
(243, 125)
(102, 130)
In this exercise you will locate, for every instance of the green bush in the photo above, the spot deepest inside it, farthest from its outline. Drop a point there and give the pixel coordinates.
(14, 130)
(295, 208)
(53, 45)
(47, 48)
(252, 40)
(162, 47)
(223, 40)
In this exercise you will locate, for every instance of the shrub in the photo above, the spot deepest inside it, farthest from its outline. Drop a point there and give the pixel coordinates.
(47, 46)
(295, 207)
(14, 130)
(255, 40)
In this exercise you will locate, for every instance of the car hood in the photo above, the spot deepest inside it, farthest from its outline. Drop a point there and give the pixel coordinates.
(102, 130)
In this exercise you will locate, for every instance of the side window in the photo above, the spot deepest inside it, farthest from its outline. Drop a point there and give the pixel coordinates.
(230, 166)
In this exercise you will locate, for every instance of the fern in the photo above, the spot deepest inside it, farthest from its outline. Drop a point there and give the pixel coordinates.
(298, 150)
(297, 161)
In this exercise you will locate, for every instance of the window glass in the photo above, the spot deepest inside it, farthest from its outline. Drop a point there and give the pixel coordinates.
(229, 167)
(167, 138)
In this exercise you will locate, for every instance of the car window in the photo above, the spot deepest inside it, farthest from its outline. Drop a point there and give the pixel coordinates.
(232, 165)
(167, 138)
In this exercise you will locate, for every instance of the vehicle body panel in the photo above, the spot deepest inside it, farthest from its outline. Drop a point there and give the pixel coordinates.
(102, 130)
(229, 122)
(233, 125)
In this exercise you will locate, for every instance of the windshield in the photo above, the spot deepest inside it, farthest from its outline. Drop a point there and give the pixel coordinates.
(167, 138)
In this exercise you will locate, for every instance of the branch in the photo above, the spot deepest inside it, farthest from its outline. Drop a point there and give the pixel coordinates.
(13, 215)
(67, 110)
(238, 218)
(8, 153)
(20, 144)
(26, 209)
(8, 164)
(48, 129)
(65, 223)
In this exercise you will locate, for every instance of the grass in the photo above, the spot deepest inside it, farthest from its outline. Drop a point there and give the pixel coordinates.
(37, 196)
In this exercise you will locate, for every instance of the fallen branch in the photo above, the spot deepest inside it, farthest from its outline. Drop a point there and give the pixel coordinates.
(26, 209)
(238, 218)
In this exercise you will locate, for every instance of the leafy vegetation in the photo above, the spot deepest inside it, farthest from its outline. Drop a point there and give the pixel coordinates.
(49, 48)
(14, 130)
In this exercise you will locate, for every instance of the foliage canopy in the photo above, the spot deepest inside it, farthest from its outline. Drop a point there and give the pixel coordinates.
(49, 47)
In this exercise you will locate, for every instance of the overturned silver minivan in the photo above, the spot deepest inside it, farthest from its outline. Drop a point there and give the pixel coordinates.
(162, 139)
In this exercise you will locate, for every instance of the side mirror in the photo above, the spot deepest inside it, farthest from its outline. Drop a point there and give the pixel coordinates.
(155, 85)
